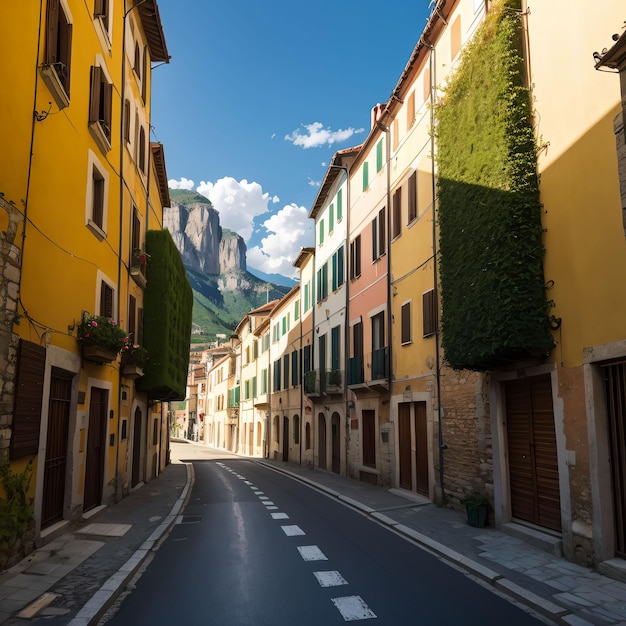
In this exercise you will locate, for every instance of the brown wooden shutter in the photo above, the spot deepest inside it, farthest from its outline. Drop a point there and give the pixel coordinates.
(144, 73)
(107, 105)
(413, 196)
(382, 232)
(106, 300)
(132, 318)
(429, 306)
(98, 10)
(127, 121)
(31, 362)
(406, 323)
(94, 102)
(52, 31)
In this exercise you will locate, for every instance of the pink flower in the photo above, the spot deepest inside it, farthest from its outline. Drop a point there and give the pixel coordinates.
(94, 323)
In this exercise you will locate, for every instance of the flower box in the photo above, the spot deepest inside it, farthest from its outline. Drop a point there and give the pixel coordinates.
(96, 354)
(132, 371)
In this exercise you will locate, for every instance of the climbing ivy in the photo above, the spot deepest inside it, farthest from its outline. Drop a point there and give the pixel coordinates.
(494, 308)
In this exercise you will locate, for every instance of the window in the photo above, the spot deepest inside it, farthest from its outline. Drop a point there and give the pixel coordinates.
(276, 332)
(102, 12)
(137, 64)
(396, 223)
(100, 108)
(296, 429)
(410, 111)
(412, 197)
(136, 231)
(307, 436)
(429, 305)
(379, 351)
(127, 121)
(322, 282)
(286, 371)
(58, 52)
(321, 229)
(306, 359)
(339, 205)
(379, 155)
(246, 390)
(141, 150)
(276, 377)
(265, 342)
(369, 438)
(98, 191)
(366, 181)
(254, 388)
(106, 299)
(307, 289)
(255, 349)
(331, 218)
(455, 38)
(355, 257)
(335, 348)
(378, 235)
(337, 269)
(264, 381)
(294, 369)
(296, 311)
(406, 323)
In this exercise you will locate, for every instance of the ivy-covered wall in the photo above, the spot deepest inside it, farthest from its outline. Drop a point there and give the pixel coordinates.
(168, 302)
(494, 307)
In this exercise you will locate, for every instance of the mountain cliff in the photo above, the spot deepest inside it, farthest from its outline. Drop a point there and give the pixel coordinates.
(215, 260)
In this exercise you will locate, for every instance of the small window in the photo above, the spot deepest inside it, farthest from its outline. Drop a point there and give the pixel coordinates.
(397, 213)
(379, 155)
(338, 269)
(331, 218)
(127, 121)
(100, 108)
(102, 12)
(339, 205)
(294, 368)
(296, 310)
(366, 180)
(429, 306)
(98, 190)
(406, 323)
(412, 197)
(355, 257)
(321, 231)
(59, 44)
(410, 111)
(141, 149)
(137, 61)
(286, 371)
(379, 235)
(106, 299)
(296, 429)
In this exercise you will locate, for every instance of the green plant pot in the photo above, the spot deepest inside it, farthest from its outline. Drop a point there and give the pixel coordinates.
(477, 515)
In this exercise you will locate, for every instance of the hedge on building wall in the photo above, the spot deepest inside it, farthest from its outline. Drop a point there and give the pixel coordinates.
(494, 307)
(168, 301)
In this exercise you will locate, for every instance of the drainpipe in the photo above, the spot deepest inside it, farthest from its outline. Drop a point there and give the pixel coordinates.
(433, 100)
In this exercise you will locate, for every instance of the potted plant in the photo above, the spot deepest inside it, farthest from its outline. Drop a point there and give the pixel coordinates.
(134, 359)
(101, 338)
(140, 260)
(477, 507)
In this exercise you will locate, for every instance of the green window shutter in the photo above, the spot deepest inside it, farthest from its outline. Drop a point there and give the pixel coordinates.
(254, 387)
(339, 204)
(379, 155)
(296, 311)
(331, 218)
(306, 296)
(340, 267)
(334, 271)
(366, 181)
(321, 232)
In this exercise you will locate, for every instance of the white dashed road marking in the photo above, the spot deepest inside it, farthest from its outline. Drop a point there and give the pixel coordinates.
(267, 503)
(330, 579)
(292, 531)
(271, 508)
(280, 516)
(353, 608)
(312, 553)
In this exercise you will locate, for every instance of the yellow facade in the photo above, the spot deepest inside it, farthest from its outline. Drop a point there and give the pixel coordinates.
(86, 184)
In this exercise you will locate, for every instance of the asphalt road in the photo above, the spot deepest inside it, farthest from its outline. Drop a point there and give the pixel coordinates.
(255, 547)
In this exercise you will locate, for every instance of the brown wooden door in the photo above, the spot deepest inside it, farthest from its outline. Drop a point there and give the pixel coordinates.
(404, 445)
(285, 438)
(96, 447)
(421, 448)
(321, 459)
(136, 475)
(615, 377)
(336, 443)
(533, 467)
(56, 449)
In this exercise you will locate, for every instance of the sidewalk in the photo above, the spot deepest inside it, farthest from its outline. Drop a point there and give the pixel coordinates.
(76, 577)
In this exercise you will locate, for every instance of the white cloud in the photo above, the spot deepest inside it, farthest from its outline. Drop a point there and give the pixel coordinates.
(316, 135)
(183, 183)
(289, 230)
(238, 203)
(314, 183)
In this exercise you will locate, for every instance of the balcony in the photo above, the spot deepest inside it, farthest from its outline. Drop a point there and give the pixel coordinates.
(356, 375)
(369, 371)
(333, 382)
(312, 384)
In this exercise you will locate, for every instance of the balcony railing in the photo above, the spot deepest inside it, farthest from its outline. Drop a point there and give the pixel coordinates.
(311, 383)
(369, 368)
(333, 381)
(380, 364)
(356, 374)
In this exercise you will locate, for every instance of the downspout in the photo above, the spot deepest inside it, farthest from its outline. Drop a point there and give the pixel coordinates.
(346, 326)
(433, 100)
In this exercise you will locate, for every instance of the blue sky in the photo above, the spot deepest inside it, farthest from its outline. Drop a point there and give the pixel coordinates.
(258, 97)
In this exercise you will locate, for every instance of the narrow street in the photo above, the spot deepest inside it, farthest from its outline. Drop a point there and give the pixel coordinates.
(255, 547)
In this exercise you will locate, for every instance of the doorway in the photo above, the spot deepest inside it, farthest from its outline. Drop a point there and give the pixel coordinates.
(96, 447)
(137, 476)
(285, 438)
(413, 447)
(321, 459)
(336, 443)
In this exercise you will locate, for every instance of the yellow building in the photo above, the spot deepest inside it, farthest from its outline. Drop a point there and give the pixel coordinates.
(81, 185)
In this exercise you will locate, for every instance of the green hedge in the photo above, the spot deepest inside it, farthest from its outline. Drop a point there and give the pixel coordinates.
(168, 302)
(494, 307)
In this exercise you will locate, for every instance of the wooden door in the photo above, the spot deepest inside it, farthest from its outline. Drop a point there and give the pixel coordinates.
(96, 447)
(533, 466)
(321, 459)
(56, 449)
(285, 438)
(421, 449)
(336, 443)
(404, 446)
(136, 477)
